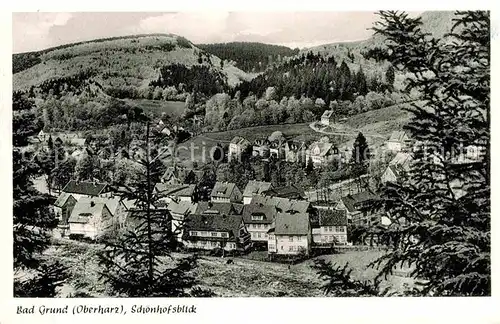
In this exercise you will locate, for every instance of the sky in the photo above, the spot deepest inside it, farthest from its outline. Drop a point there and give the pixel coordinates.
(35, 30)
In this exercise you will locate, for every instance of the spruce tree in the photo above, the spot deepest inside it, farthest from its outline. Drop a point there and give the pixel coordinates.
(32, 216)
(390, 77)
(360, 156)
(137, 263)
(441, 210)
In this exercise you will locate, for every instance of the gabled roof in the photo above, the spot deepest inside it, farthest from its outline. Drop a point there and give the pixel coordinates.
(324, 148)
(165, 190)
(238, 208)
(261, 142)
(292, 224)
(267, 212)
(290, 192)
(85, 188)
(256, 188)
(332, 217)
(111, 202)
(182, 207)
(238, 140)
(398, 136)
(85, 209)
(283, 204)
(358, 201)
(212, 208)
(136, 217)
(223, 189)
(215, 223)
(294, 145)
(62, 199)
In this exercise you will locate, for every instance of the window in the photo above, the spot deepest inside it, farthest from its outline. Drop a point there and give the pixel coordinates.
(259, 235)
(290, 238)
(223, 235)
(214, 234)
(291, 248)
(257, 217)
(194, 233)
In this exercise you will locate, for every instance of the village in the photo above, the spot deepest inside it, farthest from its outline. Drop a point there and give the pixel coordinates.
(281, 220)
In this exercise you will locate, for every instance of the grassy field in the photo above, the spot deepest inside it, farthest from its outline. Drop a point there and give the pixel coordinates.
(157, 107)
(381, 121)
(243, 278)
(260, 132)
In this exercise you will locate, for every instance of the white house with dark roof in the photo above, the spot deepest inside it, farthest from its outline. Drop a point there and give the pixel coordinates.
(226, 192)
(259, 220)
(327, 118)
(79, 189)
(321, 153)
(399, 140)
(330, 227)
(254, 188)
(291, 234)
(90, 218)
(237, 146)
(209, 232)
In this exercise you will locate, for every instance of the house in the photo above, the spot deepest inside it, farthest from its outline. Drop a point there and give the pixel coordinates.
(226, 192)
(162, 225)
(328, 118)
(254, 188)
(291, 234)
(173, 192)
(284, 204)
(209, 232)
(295, 151)
(259, 219)
(261, 148)
(290, 192)
(362, 208)
(399, 141)
(330, 227)
(90, 219)
(237, 146)
(179, 211)
(321, 153)
(208, 207)
(79, 189)
(399, 165)
(277, 149)
(63, 207)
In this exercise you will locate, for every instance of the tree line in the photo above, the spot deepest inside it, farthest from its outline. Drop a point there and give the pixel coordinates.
(250, 56)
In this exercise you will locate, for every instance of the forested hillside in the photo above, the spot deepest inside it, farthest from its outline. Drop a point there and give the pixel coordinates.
(250, 56)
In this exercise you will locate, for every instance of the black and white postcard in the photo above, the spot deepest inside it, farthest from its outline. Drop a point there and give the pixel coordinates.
(197, 155)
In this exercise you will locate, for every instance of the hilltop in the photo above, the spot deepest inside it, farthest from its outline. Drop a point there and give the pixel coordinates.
(131, 61)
